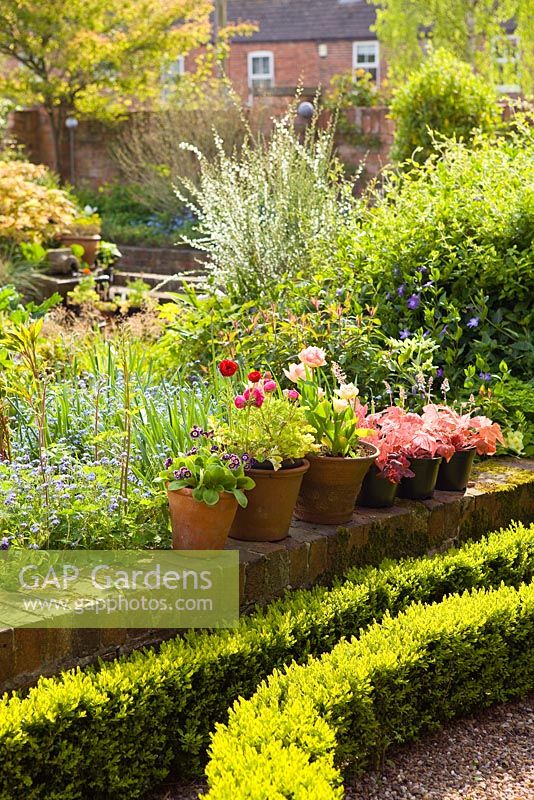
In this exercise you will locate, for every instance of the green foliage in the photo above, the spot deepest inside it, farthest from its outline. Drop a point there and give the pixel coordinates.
(443, 99)
(209, 476)
(402, 677)
(447, 250)
(124, 724)
(473, 31)
(130, 218)
(276, 432)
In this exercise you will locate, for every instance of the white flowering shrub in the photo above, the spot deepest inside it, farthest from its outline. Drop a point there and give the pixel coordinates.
(263, 214)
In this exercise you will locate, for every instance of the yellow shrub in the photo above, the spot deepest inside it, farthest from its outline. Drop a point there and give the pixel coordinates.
(32, 207)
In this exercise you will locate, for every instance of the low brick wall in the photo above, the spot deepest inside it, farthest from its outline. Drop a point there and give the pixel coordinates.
(502, 491)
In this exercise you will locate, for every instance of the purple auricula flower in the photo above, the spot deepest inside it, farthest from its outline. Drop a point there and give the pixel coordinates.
(196, 432)
(234, 462)
(413, 302)
(182, 474)
(473, 322)
(245, 458)
(168, 462)
(400, 290)
(214, 448)
(484, 376)
(192, 452)
(405, 334)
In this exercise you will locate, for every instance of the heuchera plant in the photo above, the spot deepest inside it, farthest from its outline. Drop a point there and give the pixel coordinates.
(463, 431)
(265, 423)
(337, 420)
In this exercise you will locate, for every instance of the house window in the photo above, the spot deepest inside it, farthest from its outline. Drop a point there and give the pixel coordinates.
(260, 69)
(365, 55)
(506, 50)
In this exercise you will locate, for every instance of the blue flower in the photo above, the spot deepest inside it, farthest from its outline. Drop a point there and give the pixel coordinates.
(400, 290)
(405, 334)
(4, 543)
(413, 302)
(440, 372)
(484, 376)
(473, 322)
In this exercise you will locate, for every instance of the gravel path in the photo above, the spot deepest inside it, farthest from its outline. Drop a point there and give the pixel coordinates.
(489, 756)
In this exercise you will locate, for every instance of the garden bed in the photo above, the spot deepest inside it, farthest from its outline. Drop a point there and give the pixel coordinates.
(503, 491)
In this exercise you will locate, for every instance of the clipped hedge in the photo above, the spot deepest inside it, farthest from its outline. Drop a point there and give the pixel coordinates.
(405, 675)
(114, 732)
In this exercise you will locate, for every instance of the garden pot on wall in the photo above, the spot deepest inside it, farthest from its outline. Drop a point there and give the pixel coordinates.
(267, 516)
(453, 476)
(197, 526)
(376, 491)
(89, 244)
(331, 486)
(423, 483)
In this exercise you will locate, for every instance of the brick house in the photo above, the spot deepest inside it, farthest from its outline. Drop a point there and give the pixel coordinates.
(300, 42)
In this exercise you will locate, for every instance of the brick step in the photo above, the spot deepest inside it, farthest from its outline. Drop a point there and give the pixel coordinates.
(171, 283)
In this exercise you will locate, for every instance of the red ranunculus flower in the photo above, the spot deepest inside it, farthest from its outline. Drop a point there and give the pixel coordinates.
(254, 376)
(227, 368)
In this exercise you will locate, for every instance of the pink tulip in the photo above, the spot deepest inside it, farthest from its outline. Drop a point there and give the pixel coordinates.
(295, 372)
(312, 357)
(240, 401)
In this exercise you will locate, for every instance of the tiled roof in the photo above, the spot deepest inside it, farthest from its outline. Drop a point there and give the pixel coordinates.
(299, 20)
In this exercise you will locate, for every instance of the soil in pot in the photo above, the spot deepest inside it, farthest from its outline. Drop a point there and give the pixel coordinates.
(376, 491)
(453, 476)
(267, 516)
(197, 526)
(422, 485)
(331, 486)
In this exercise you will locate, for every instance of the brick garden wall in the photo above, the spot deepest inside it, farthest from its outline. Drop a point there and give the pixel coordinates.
(94, 164)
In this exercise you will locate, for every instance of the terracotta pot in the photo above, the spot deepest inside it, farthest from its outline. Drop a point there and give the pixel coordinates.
(422, 485)
(89, 244)
(197, 526)
(331, 486)
(376, 492)
(453, 476)
(267, 516)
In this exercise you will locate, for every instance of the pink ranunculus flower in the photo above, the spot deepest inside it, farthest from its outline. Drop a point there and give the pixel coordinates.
(292, 394)
(312, 357)
(254, 397)
(295, 372)
(269, 386)
(239, 401)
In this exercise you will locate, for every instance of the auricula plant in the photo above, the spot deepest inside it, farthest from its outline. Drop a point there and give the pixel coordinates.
(209, 472)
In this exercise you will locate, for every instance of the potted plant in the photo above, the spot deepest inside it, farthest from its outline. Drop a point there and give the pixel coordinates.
(137, 297)
(423, 447)
(468, 435)
(270, 428)
(204, 487)
(380, 485)
(84, 231)
(333, 482)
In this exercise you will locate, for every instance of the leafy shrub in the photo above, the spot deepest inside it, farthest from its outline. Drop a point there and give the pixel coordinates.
(446, 98)
(261, 214)
(32, 206)
(401, 677)
(447, 249)
(122, 724)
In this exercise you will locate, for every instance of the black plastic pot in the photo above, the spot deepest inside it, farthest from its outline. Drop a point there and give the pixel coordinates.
(376, 491)
(423, 483)
(454, 475)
